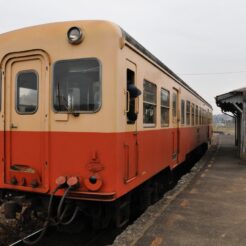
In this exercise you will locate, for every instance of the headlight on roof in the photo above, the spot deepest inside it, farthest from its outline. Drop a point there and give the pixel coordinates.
(75, 35)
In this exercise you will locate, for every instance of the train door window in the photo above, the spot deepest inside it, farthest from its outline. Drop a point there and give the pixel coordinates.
(149, 104)
(132, 94)
(197, 116)
(182, 112)
(188, 112)
(203, 116)
(192, 114)
(174, 105)
(165, 106)
(77, 86)
(200, 116)
(27, 92)
(210, 118)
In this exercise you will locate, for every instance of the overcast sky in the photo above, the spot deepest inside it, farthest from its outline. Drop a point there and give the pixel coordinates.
(203, 41)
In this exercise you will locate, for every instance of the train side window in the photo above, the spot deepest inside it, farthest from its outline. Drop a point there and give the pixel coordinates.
(27, 92)
(192, 114)
(165, 106)
(182, 112)
(197, 116)
(188, 112)
(149, 104)
(77, 86)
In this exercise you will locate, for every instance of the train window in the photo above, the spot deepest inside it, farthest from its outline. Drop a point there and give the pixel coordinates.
(192, 114)
(165, 105)
(203, 116)
(77, 86)
(188, 112)
(174, 105)
(182, 112)
(132, 94)
(27, 92)
(197, 115)
(200, 116)
(149, 104)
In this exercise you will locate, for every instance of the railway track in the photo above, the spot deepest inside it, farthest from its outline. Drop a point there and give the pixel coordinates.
(30, 236)
(57, 236)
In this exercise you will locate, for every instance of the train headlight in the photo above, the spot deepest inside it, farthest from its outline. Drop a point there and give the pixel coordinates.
(75, 35)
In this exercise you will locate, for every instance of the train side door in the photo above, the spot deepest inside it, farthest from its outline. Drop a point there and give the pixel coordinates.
(175, 122)
(131, 138)
(26, 121)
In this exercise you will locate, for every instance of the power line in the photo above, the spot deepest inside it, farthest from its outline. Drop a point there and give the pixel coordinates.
(215, 73)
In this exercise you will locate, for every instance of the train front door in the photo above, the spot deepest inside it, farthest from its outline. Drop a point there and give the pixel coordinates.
(175, 128)
(26, 120)
(131, 138)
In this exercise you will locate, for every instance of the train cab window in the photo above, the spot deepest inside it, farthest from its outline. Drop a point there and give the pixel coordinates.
(188, 112)
(182, 112)
(27, 92)
(149, 104)
(165, 105)
(77, 86)
(192, 114)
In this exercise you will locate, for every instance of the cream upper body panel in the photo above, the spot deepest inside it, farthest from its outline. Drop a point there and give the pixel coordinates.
(102, 41)
(146, 70)
(99, 39)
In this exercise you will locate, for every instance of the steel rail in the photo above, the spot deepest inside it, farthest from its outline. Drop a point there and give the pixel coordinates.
(27, 237)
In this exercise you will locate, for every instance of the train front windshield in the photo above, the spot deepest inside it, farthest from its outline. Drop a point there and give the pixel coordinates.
(77, 85)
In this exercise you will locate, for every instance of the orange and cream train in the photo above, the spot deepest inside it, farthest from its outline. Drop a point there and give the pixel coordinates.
(85, 107)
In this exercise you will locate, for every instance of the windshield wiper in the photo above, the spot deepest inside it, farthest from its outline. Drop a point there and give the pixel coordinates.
(61, 99)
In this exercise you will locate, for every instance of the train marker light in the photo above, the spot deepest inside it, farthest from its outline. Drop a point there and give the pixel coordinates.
(75, 35)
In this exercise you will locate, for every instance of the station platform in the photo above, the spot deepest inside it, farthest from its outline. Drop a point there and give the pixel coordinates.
(209, 210)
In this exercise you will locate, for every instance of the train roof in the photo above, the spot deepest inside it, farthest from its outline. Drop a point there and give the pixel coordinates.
(143, 50)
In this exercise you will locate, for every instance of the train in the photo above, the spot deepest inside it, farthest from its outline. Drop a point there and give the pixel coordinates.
(89, 116)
